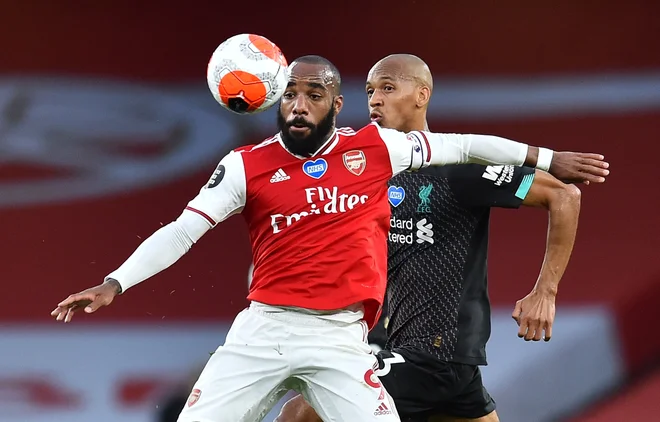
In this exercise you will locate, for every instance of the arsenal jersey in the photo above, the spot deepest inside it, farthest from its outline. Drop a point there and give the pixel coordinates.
(318, 225)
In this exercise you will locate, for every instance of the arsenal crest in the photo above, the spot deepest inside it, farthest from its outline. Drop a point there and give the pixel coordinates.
(194, 396)
(355, 162)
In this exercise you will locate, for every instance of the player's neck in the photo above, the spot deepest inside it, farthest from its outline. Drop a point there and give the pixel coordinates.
(421, 125)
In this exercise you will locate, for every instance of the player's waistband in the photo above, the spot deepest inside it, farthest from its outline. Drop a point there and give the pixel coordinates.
(300, 316)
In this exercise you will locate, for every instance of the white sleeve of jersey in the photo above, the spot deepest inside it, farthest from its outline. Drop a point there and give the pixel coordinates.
(405, 150)
(160, 250)
(221, 197)
(225, 193)
(419, 149)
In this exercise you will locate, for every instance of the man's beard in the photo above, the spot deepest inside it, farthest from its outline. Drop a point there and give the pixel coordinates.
(306, 145)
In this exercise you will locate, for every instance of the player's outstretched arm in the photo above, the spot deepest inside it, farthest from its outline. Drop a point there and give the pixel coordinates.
(535, 313)
(221, 197)
(438, 149)
(487, 149)
(158, 252)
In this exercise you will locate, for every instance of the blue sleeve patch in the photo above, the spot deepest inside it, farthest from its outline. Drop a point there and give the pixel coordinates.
(525, 186)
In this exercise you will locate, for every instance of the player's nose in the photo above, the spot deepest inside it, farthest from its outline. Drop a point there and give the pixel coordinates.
(376, 100)
(300, 106)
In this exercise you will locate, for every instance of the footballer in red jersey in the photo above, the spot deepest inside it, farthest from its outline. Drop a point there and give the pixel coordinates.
(316, 204)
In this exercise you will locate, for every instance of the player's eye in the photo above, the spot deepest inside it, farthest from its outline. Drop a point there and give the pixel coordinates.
(370, 92)
(315, 97)
(388, 88)
(288, 95)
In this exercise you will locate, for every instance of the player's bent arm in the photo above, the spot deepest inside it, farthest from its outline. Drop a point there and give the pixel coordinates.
(563, 204)
(221, 197)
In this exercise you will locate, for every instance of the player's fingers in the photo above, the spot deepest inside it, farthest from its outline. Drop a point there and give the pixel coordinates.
(592, 156)
(588, 177)
(548, 331)
(59, 313)
(517, 310)
(68, 314)
(532, 327)
(596, 162)
(522, 331)
(94, 305)
(539, 331)
(595, 167)
(595, 157)
(76, 298)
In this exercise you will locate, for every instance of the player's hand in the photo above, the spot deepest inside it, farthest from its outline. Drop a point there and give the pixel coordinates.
(578, 167)
(88, 300)
(535, 313)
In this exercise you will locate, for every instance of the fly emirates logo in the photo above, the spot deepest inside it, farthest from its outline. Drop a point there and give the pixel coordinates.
(319, 201)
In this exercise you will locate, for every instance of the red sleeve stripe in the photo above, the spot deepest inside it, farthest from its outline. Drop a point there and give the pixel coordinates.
(206, 216)
(428, 147)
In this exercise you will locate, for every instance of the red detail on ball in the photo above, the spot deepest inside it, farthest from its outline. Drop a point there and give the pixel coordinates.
(268, 48)
(240, 84)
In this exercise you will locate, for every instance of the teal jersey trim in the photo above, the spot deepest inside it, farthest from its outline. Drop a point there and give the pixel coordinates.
(525, 186)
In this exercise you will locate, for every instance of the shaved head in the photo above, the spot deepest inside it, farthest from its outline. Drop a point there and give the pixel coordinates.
(399, 88)
(404, 67)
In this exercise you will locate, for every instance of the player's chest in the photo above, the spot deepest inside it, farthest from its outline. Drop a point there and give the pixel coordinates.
(417, 194)
(417, 204)
(328, 184)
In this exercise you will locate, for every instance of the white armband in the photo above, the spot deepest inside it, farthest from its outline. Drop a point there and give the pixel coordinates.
(545, 159)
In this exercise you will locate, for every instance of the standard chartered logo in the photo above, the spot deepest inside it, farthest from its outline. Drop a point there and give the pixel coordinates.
(419, 232)
(424, 232)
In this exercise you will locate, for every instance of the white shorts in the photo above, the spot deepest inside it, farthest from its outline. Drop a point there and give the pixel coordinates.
(268, 353)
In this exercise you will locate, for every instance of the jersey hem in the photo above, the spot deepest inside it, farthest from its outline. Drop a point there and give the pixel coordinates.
(371, 312)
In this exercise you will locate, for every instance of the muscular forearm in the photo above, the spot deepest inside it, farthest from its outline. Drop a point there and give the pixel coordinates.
(564, 210)
(159, 251)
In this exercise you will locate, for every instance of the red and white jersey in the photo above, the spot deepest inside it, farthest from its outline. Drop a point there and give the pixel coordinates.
(318, 226)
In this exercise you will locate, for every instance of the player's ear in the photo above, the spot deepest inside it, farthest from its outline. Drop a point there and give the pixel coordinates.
(339, 103)
(423, 96)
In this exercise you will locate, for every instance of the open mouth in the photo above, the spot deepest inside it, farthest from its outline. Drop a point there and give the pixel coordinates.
(298, 128)
(375, 117)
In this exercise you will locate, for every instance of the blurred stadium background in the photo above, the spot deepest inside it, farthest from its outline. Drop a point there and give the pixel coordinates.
(107, 130)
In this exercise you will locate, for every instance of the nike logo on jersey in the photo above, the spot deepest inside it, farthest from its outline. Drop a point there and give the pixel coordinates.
(279, 176)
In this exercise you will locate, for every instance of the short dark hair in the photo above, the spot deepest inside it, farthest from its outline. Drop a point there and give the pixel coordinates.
(322, 61)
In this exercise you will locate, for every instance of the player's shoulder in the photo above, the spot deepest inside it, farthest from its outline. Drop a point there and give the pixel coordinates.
(346, 131)
(263, 146)
(375, 133)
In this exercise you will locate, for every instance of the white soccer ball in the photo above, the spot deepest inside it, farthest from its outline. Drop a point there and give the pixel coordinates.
(247, 74)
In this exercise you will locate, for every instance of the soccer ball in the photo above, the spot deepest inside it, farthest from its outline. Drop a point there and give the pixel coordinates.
(247, 74)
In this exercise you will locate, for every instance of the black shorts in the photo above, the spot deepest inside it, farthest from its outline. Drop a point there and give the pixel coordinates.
(422, 386)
